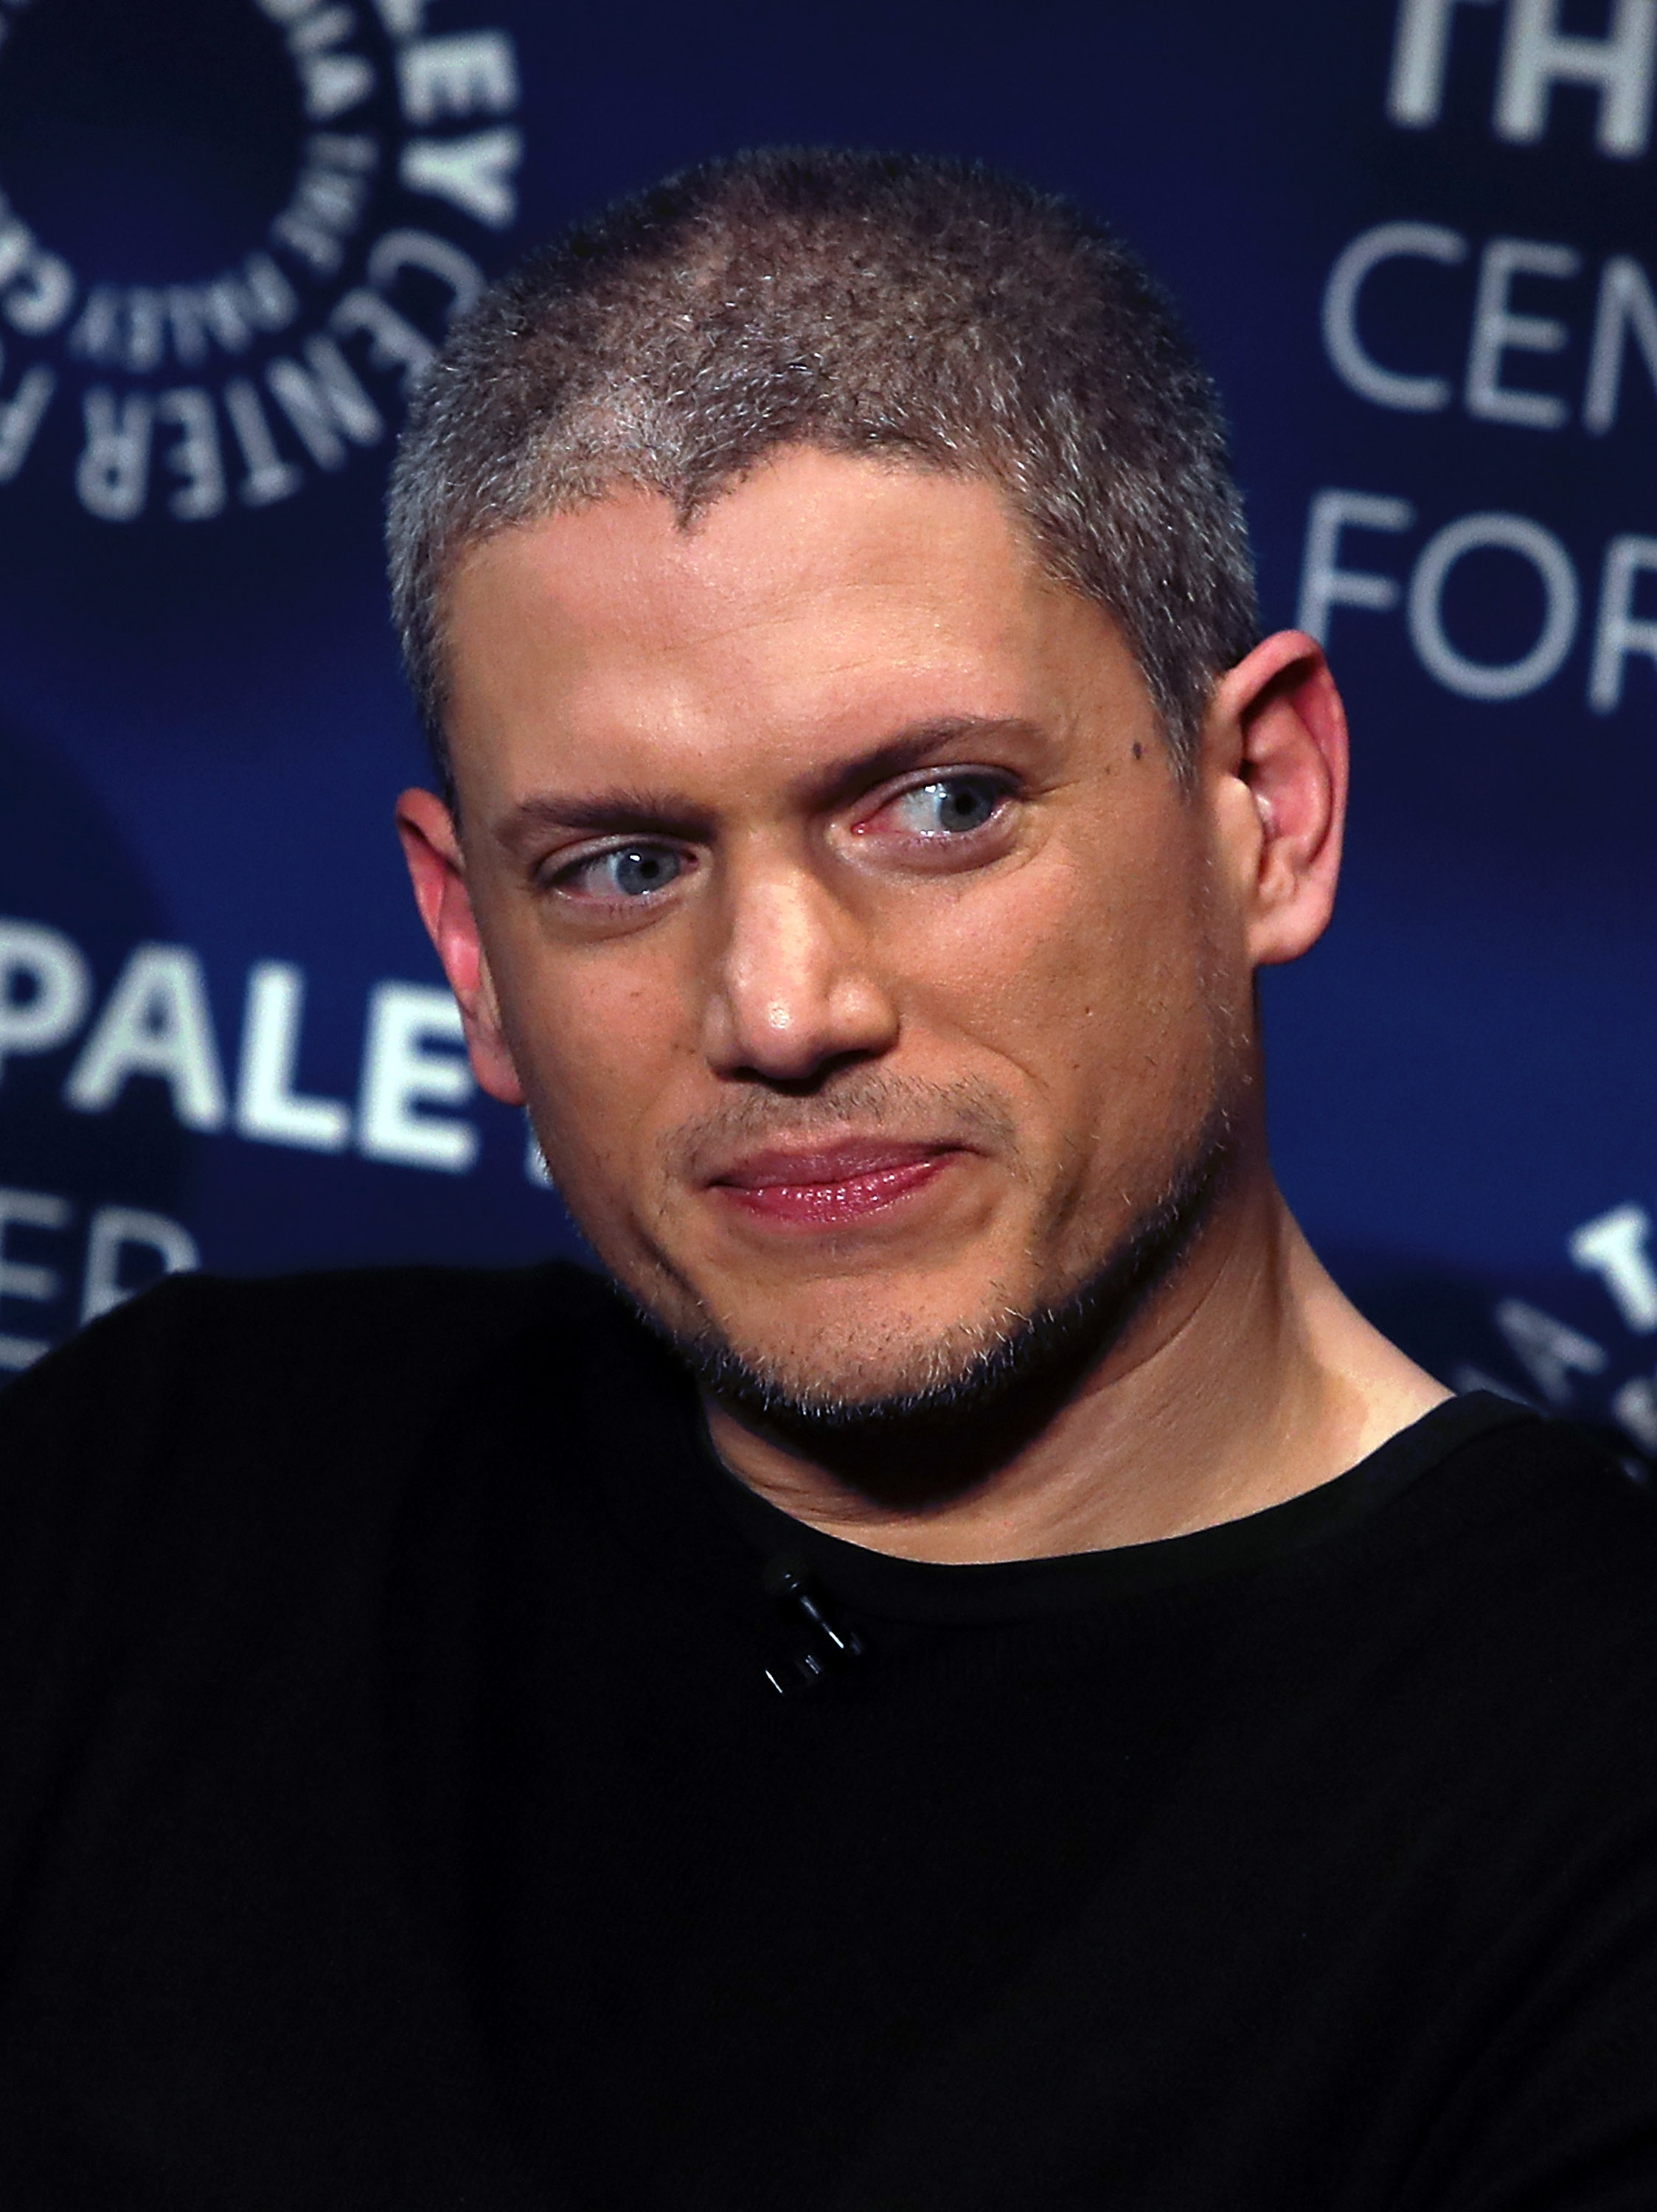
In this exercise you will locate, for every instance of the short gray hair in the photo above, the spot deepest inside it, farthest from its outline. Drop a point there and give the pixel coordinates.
(903, 306)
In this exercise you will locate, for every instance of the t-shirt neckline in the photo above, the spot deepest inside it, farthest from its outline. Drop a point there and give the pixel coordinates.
(931, 1593)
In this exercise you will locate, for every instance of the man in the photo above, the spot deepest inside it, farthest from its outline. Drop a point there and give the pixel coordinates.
(978, 1680)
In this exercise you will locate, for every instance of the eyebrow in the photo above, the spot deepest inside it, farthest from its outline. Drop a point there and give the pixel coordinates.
(911, 748)
(614, 813)
(634, 811)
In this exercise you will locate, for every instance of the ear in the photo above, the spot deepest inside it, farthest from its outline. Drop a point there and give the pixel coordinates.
(1274, 745)
(431, 845)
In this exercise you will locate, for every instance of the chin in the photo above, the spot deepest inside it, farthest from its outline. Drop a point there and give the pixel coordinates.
(906, 1396)
(850, 1367)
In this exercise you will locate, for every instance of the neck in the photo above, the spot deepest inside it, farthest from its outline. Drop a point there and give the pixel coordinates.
(1245, 1380)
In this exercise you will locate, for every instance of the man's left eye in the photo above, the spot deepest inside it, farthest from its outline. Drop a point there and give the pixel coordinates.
(949, 806)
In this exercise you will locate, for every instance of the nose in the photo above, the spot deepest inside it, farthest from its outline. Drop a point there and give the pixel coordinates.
(796, 985)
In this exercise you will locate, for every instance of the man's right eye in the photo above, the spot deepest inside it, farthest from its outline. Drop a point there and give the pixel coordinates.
(624, 875)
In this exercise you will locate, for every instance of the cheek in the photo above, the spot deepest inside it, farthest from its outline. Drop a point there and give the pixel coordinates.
(595, 1042)
(1071, 968)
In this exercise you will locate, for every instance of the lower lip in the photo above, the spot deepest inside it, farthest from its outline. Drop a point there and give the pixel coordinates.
(835, 1205)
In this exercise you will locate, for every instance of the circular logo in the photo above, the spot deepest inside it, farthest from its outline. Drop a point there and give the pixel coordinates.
(231, 233)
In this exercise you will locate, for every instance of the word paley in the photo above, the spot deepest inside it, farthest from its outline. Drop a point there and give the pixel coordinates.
(155, 1029)
(62, 1263)
(232, 391)
(156, 1022)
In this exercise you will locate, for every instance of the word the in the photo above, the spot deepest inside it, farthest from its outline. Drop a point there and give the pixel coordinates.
(1538, 57)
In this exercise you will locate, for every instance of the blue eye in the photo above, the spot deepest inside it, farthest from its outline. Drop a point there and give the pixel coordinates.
(630, 872)
(952, 806)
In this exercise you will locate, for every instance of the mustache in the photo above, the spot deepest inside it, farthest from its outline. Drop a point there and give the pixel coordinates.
(859, 1102)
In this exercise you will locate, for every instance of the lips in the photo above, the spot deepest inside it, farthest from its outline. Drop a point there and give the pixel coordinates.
(832, 1186)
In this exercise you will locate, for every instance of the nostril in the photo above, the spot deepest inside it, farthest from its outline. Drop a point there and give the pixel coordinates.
(820, 1077)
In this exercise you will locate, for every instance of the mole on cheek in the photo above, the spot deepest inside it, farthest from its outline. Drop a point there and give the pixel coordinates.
(1138, 749)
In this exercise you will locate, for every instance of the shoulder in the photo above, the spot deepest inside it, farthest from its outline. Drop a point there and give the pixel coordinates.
(1556, 1494)
(214, 1440)
(353, 1353)
(348, 1314)
(1524, 1557)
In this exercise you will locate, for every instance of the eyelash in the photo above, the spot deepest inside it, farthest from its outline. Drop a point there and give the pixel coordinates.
(995, 785)
(564, 878)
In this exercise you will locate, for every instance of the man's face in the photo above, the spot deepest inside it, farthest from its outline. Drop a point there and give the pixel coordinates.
(843, 923)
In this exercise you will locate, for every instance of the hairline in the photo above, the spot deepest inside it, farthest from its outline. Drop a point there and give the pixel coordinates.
(465, 539)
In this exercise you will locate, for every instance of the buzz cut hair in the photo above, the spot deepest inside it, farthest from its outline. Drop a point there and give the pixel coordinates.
(904, 307)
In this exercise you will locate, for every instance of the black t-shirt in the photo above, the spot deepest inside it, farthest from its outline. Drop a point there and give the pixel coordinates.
(395, 1813)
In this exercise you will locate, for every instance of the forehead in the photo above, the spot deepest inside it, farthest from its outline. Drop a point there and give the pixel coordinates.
(822, 600)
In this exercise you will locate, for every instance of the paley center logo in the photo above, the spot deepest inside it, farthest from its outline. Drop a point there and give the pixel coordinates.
(231, 233)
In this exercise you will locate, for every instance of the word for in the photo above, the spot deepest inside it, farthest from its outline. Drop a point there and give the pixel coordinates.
(1493, 385)
(1620, 634)
(114, 1236)
(157, 1022)
(1619, 69)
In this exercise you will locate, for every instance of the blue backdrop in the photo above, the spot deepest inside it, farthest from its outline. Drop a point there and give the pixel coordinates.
(1413, 236)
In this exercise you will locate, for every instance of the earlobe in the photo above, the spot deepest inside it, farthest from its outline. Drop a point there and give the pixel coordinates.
(1279, 732)
(431, 847)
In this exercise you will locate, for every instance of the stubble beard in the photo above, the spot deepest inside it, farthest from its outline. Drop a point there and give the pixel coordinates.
(972, 1396)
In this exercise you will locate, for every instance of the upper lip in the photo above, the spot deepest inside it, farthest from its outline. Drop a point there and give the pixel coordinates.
(828, 1163)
